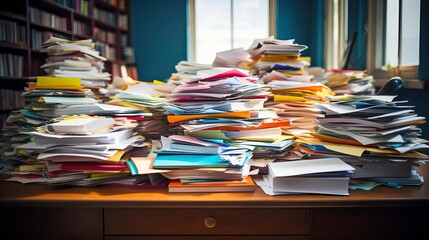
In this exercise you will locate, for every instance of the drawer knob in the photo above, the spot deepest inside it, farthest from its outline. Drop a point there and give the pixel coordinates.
(210, 222)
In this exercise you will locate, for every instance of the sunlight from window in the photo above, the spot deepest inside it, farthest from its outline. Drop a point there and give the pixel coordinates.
(222, 25)
(406, 47)
(392, 33)
(410, 33)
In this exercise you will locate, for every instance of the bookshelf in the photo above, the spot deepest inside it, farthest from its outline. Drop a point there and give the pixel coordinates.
(26, 24)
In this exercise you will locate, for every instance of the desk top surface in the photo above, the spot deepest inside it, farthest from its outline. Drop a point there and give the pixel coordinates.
(17, 194)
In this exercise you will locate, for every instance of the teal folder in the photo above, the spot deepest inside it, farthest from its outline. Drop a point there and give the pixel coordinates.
(188, 161)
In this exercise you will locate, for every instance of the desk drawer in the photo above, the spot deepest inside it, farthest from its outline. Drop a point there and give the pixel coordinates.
(206, 221)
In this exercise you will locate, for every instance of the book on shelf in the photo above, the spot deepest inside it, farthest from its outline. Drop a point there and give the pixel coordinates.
(47, 19)
(81, 28)
(121, 4)
(11, 99)
(12, 33)
(104, 16)
(11, 65)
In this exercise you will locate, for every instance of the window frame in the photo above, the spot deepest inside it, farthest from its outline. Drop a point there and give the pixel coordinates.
(335, 32)
(374, 59)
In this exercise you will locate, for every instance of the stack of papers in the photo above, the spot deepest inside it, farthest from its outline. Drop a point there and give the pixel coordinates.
(52, 97)
(371, 120)
(227, 103)
(46, 94)
(187, 71)
(73, 138)
(213, 163)
(75, 59)
(149, 99)
(350, 82)
(142, 96)
(209, 152)
(244, 185)
(378, 136)
(278, 60)
(81, 125)
(84, 150)
(294, 101)
(231, 58)
(314, 176)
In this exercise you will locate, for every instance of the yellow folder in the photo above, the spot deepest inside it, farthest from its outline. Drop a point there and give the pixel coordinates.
(64, 83)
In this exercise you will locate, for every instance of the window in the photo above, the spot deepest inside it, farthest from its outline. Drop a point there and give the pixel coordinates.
(220, 25)
(402, 33)
(394, 33)
(335, 33)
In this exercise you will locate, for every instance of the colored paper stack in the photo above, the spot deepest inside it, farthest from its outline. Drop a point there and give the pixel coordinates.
(192, 161)
(187, 71)
(85, 151)
(377, 135)
(225, 106)
(149, 100)
(279, 64)
(294, 101)
(278, 59)
(77, 59)
(52, 100)
(350, 82)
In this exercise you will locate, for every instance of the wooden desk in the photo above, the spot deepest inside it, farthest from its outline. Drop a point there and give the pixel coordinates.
(42, 212)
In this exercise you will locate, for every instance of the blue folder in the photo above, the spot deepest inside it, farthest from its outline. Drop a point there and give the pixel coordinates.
(188, 161)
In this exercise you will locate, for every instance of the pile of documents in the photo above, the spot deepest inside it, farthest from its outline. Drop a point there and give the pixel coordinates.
(76, 59)
(192, 161)
(149, 99)
(83, 150)
(233, 58)
(278, 63)
(54, 108)
(52, 97)
(18, 124)
(225, 106)
(377, 135)
(314, 176)
(13, 135)
(371, 120)
(278, 59)
(294, 101)
(350, 82)
(187, 71)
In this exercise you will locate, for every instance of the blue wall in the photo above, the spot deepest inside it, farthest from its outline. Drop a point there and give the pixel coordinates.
(303, 21)
(159, 36)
